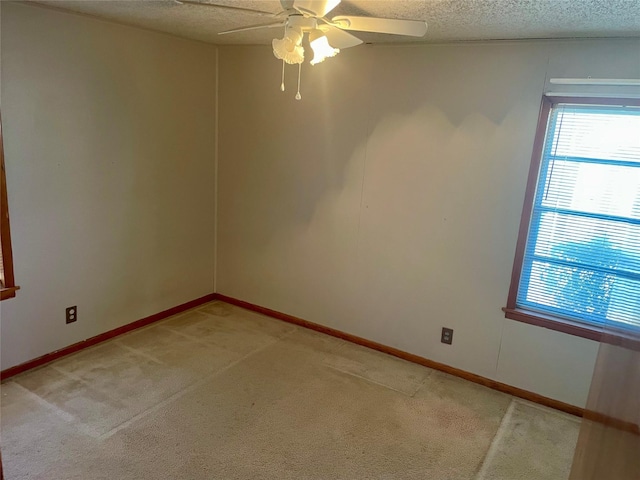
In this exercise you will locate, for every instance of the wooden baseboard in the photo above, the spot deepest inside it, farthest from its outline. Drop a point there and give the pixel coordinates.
(49, 357)
(612, 422)
(472, 377)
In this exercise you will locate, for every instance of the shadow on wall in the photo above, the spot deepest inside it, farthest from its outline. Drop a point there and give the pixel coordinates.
(393, 113)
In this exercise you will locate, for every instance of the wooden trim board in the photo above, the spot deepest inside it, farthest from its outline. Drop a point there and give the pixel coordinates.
(472, 377)
(63, 352)
(7, 280)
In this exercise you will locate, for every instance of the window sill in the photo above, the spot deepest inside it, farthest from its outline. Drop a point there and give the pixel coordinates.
(554, 323)
(8, 292)
(609, 335)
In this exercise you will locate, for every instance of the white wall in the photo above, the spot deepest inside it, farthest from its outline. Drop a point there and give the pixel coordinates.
(109, 142)
(386, 203)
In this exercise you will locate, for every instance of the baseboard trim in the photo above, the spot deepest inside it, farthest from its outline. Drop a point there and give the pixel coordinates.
(472, 377)
(612, 422)
(63, 352)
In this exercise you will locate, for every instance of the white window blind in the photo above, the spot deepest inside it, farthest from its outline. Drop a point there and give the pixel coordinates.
(582, 257)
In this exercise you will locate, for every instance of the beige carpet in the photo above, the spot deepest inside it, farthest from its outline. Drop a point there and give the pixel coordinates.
(222, 393)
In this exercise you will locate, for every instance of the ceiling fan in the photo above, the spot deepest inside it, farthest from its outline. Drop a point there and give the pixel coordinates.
(326, 35)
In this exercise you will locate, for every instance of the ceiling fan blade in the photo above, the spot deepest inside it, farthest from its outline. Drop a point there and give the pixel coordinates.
(412, 28)
(339, 38)
(253, 27)
(226, 7)
(316, 8)
(287, 4)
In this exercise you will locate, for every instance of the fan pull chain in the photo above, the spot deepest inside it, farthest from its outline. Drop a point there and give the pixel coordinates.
(298, 96)
(282, 84)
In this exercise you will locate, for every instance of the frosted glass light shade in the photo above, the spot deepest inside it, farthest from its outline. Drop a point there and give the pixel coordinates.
(290, 47)
(320, 46)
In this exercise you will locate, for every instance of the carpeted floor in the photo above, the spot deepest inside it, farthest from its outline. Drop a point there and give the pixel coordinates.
(222, 393)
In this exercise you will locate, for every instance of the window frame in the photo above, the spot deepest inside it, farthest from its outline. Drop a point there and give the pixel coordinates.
(8, 286)
(512, 311)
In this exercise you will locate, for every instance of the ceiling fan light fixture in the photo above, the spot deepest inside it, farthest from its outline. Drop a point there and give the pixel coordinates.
(289, 48)
(320, 46)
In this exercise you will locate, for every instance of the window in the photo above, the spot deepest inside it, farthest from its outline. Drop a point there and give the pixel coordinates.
(577, 265)
(7, 285)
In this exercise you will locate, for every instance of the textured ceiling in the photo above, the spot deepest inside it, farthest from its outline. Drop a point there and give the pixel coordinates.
(449, 20)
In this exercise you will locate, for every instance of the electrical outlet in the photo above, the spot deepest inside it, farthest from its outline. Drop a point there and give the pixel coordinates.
(72, 314)
(447, 336)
